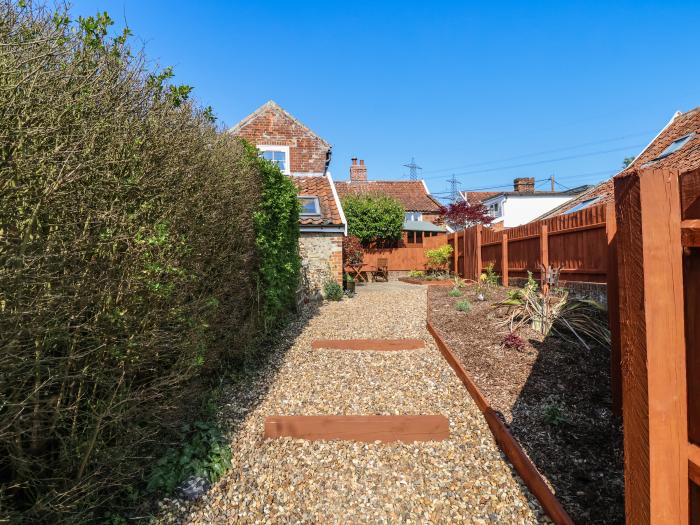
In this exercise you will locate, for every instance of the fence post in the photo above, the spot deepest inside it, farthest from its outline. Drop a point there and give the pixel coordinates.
(652, 339)
(544, 256)
(455, 252)
(477, 245)
(464, 257)
(504, 258)
(613, 310)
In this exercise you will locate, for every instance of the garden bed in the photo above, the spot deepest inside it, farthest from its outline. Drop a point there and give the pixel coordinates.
(553, 395)
(423, 280)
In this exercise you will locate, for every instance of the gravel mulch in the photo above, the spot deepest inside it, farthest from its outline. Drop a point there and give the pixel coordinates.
(555, 398)
(464, 479)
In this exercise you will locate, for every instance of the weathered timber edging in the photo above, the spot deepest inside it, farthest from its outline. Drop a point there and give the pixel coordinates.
(388, 345)
(508, 444)
(359, 428)
(442, 282)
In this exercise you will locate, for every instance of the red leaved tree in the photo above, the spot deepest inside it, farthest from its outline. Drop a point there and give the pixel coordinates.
(352, 250)
(461, 214)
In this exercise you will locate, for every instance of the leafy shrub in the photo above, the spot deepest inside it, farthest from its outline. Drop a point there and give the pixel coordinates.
(454, 293)
(439, 258)
(140, 247)
(416, 274)
(463, 305)
(332, 291)
(373, 218)
(489, 278)
(205, 453)
(277, 240)
(514, 341)
(352, 250)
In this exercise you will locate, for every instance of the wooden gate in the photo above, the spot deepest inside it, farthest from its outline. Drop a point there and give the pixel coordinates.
(658, 254)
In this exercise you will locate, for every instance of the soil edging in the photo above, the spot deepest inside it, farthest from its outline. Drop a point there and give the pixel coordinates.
(506, 441)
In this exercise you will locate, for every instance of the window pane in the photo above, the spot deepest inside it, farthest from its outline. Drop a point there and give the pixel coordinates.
(419, 237)
(267, 155)
(309, 205)
(411, 237)
(281, 164)
(279, 155)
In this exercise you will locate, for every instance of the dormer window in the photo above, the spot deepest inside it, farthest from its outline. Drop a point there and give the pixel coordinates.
(411, 216)
(309, 206)
(278, 155)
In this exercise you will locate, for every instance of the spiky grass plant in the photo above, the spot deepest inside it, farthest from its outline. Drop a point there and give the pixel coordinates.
(584, 318)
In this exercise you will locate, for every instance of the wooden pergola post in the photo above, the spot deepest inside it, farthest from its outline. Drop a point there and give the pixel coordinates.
(652, 340)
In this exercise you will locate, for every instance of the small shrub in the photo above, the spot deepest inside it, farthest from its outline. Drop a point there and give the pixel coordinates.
(439, 258)
(455, 293)
(490, 277)
(463, 305)
(348, 278)
(514, 341)
(205, 453)
(332, 291)
(416, 274)
(554, 414)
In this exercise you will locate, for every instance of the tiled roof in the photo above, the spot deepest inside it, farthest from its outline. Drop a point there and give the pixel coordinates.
(411, 194)
(685, 159)
(319, 186)
(478, 196)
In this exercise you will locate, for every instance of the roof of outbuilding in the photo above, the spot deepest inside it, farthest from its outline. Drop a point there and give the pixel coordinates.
(422, 226)
(412, 195)
(319, 186)
(685, 159)
(478, 196)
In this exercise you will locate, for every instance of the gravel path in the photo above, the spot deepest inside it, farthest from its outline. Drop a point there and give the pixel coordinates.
(464, 479)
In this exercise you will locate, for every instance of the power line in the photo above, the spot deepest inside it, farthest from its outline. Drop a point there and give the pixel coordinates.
(413, 169)
(546, 161)
(589, 174)
(567, 148)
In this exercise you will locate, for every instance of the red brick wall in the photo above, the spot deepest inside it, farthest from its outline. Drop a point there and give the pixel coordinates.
(272, 126)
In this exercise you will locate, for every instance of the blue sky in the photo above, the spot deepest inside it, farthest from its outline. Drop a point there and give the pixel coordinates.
(488, 91)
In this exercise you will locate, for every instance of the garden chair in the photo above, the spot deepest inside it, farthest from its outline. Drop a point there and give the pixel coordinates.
(382, 269)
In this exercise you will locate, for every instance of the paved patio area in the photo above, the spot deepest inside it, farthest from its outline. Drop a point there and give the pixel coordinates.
(463, 479)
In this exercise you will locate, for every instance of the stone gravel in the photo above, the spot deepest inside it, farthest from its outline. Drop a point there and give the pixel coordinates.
(464, 479)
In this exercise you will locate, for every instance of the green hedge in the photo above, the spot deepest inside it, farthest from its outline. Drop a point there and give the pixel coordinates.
(140, 247)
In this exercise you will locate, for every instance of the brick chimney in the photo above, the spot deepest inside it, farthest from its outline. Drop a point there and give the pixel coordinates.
(524, 185)
(358, 172)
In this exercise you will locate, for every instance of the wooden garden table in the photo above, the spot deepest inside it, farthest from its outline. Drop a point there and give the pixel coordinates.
(356, 272)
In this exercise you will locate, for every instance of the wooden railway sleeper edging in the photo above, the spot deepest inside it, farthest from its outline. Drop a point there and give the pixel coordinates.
(506, 441)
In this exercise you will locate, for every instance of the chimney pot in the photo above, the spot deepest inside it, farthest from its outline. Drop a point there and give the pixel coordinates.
(358, 172)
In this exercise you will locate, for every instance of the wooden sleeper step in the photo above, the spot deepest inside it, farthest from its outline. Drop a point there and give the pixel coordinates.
(369, 344)
(386, 429)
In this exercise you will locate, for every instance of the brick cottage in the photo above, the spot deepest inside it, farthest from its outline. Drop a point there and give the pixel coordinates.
(304, 157)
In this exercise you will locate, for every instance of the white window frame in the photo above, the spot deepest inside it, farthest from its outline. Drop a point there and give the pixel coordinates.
(277, 147)
(316, 202)
(413, 215)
